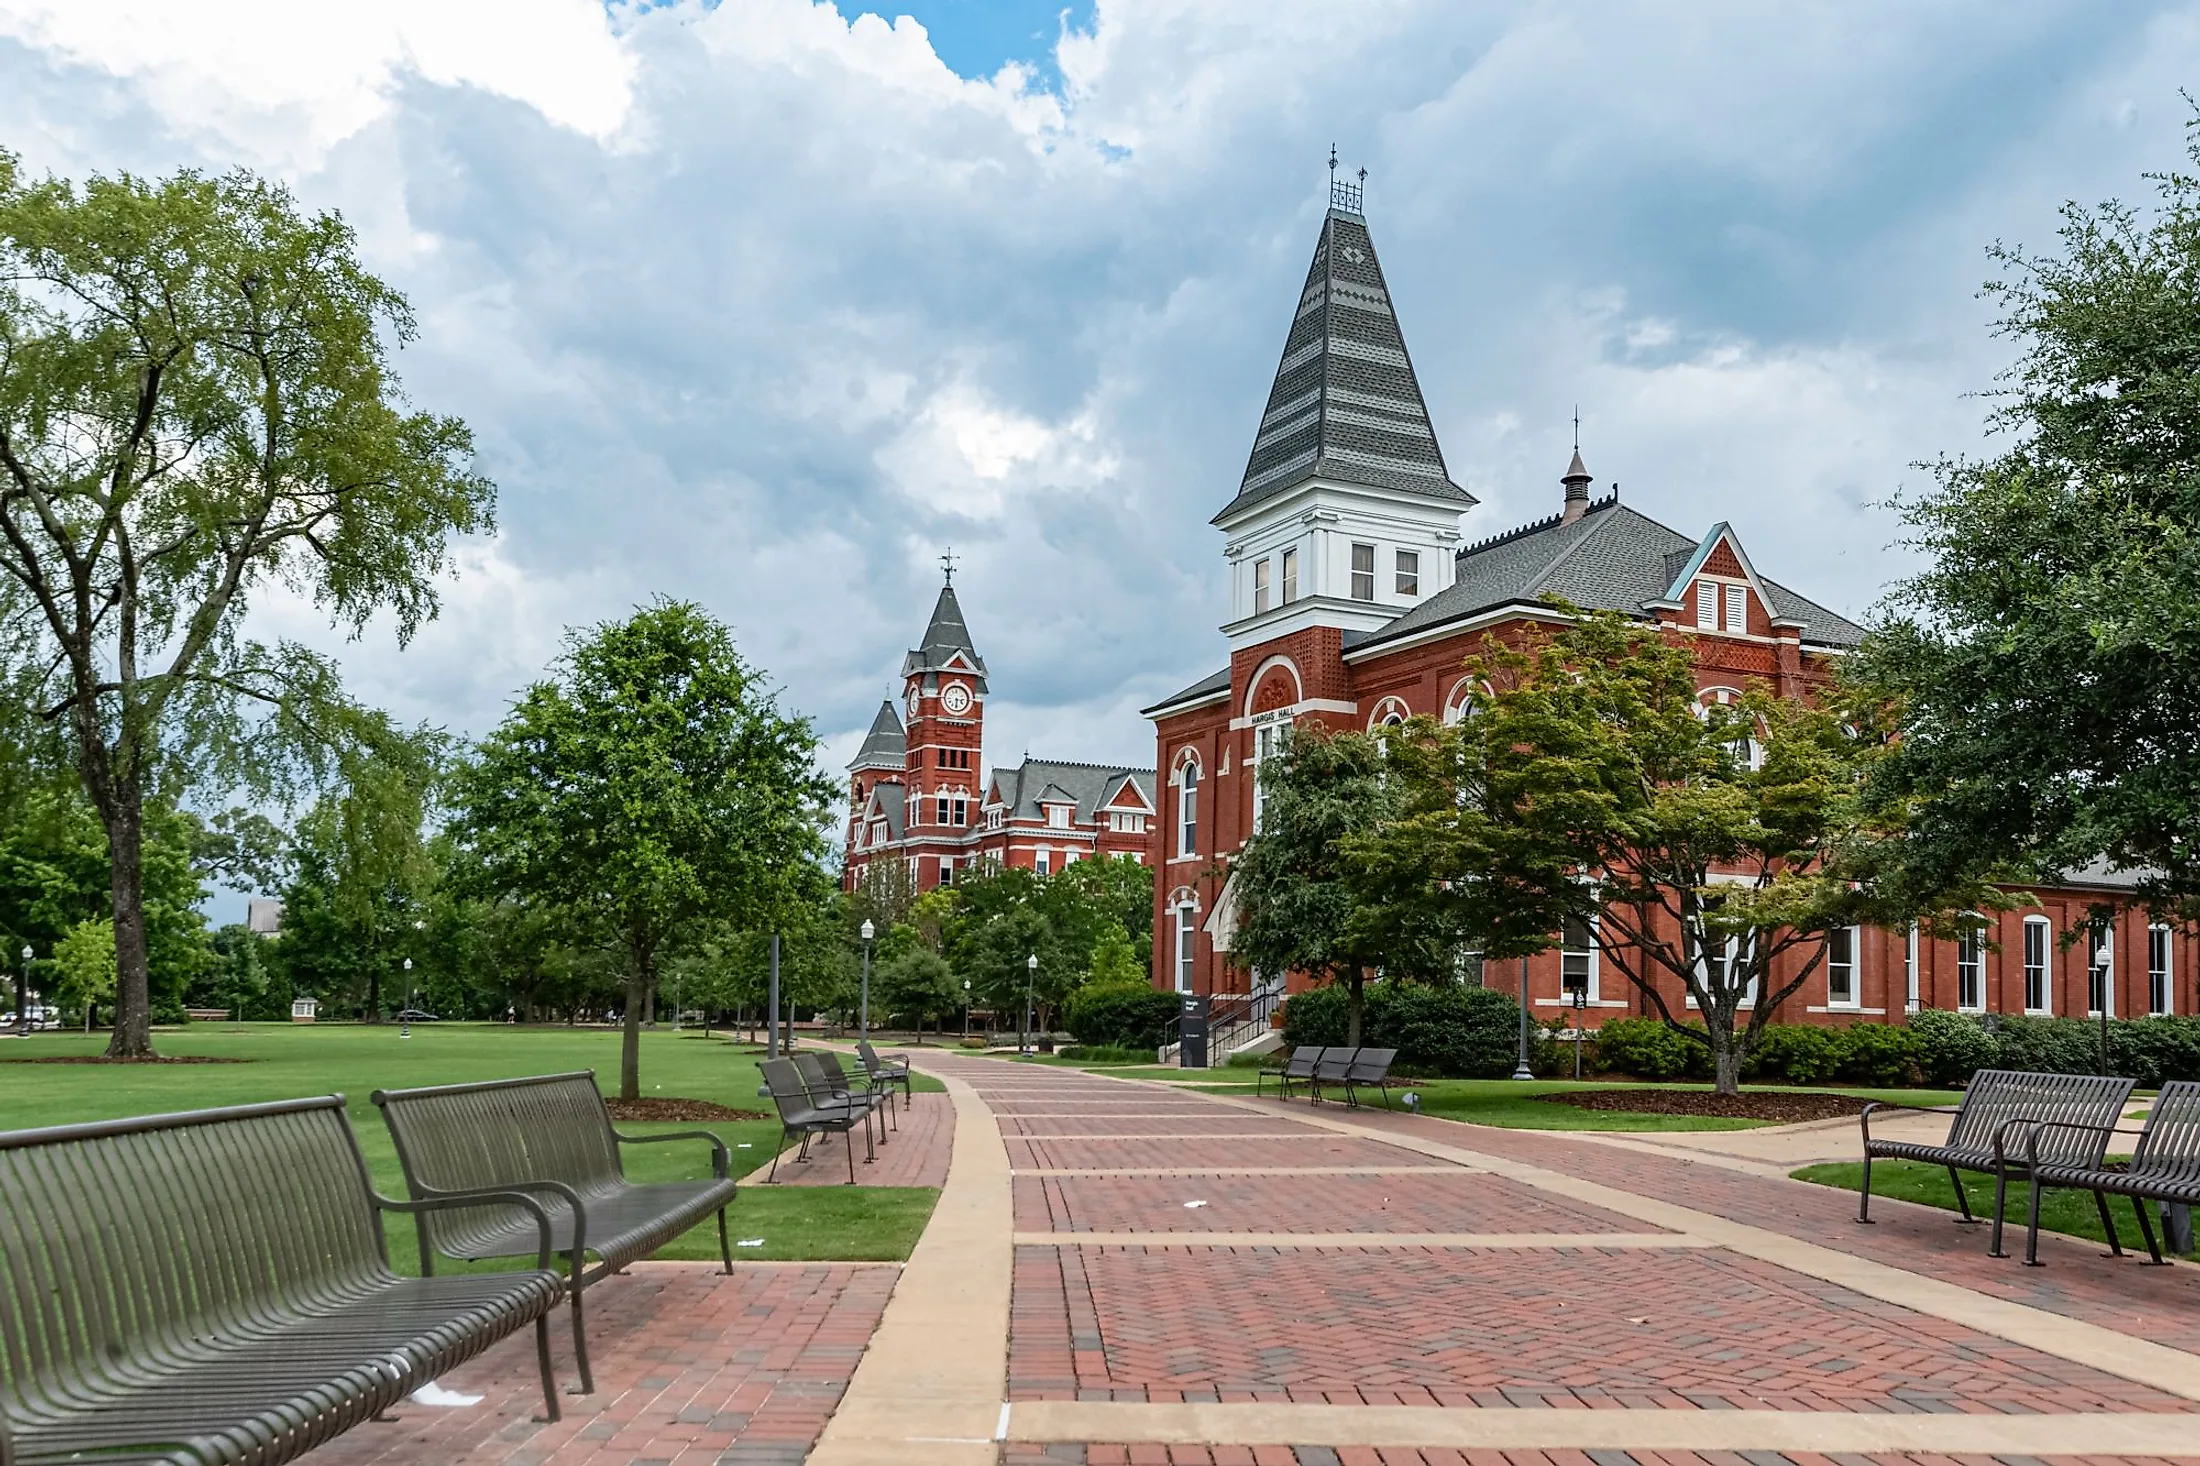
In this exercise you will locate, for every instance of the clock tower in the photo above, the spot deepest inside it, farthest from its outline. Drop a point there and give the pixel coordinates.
(943, 707)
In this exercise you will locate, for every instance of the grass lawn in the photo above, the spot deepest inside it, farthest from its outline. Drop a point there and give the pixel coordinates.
(2072, 1212)
(285, 1061)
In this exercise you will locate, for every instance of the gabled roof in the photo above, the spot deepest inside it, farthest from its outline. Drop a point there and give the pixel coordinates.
(1213, 685)
(1044, 781)
(887, 802)
(1610, 559)
(885, 746)
(1346, 404)
(947, 644)
(1140, 797)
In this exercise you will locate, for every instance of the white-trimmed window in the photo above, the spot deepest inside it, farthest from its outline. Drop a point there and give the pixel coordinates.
(1461, 699)
(947, 870)
(1707, 605)
(1409, 572)
(1910, 995)
(1187, 808)
(1058, 816)
(1269, 739)
(1187, 945)
(2100, 972)
(2161, 976)
(994, 817)
(1841, 949)
(1043, 861)
(1737, 608)
(1124, 822)
(962, 811)
(1260, 586)
(2039, 991)
(1290, 560)
(1577, 959)
(1363, 572)
(1971, 971)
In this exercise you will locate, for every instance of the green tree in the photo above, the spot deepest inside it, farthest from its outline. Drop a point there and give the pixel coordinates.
(1715, 847)
(2044, 668)
(84, 966)
(195, 406)
(649, 784)
(1115, 959)
(917, 983)
(1295, 894)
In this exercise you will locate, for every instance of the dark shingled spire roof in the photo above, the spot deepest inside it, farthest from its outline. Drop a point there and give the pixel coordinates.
(885, 746)
(946, 636)
(1346, 404)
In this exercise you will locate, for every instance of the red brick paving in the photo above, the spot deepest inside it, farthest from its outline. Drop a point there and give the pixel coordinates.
(916, 1155)
(1205, 1122)
(1520, 1327)
(1222, 1153)
(1461, 1201)
(1433, 1456)
(692, 1366)
(2161, 1304)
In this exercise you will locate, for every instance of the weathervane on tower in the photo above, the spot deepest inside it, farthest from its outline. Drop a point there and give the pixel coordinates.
(947, 562)
(1346, 196)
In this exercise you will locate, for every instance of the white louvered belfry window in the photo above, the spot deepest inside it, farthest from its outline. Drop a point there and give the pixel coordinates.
(1707, 605)
(1737, 608)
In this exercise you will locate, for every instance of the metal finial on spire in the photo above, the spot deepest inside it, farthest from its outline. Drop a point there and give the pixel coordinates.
(1343, 195)
(1332, 162)
(1577, 427)
(947, 562)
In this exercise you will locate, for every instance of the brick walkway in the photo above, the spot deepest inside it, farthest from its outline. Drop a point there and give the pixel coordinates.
(692, 1367)
(1477, 1319)
(917, 1154)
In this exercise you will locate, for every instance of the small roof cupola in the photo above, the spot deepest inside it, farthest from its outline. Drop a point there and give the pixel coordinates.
(1576, 479)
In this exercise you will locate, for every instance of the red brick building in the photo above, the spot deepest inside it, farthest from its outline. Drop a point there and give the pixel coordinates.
(919, 793)
(1356, 596)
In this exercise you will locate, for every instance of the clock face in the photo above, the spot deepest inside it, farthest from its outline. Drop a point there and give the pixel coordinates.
(956, 699)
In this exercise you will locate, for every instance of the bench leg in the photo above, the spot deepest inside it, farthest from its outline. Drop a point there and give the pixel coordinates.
(2108, 1225)
(1864, 1198)
(542, 1362)
(2001, 1198)
(1963, 1198)
(2146, 1230)
(2032, 1229)
(849, 1136)
(725, 1248)
(772, 1176)
(580, 1345)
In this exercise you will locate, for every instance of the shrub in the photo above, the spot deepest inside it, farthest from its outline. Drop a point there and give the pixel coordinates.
(1457, 1032)
(2048, 1045)
(1951, 1047)
(1879, 1056)
(1646, 1048)
(1127, 1015)
(1799, 1053)
(1106, 1054)
(2155, 1051)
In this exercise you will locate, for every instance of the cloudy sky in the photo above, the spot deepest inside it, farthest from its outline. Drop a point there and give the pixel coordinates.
(765, 303)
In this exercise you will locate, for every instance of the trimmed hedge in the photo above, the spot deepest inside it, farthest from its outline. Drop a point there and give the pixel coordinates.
(1123, 1015)
(1454, 1032)
(1935, 1047)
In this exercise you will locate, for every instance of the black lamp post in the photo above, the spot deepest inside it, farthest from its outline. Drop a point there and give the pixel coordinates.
(1031, 975)
(966, 1010)
(1520, 1065)
(863, 1012)
(23, 995)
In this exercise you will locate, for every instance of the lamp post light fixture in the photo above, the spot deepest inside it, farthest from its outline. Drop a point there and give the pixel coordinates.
(1520, 1064)
(1031, 975)
(405, 1022)
(23, 995)
(863, 1012)
(966, 1010)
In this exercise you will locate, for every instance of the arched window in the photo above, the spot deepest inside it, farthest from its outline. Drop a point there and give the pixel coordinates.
(1187, 807)
(1187, 940)
(1748, 750)
(1271, 736)
(1459, 702)
(1389, 713)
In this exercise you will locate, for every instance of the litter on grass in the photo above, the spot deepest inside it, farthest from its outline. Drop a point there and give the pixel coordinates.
(750, 1242)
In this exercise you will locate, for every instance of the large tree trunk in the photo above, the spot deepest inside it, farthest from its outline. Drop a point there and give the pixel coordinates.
(1726, 1063)
(638, 982)
(1355, 1004)
(124, 818)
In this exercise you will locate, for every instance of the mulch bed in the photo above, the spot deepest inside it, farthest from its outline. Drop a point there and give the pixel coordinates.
(152, 1059)
(690, 1110)
(1782, 1106)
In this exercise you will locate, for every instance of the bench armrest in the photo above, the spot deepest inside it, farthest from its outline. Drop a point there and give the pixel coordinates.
(2032, 1141)
(451, 1201)
(721, 1159)
(503, 1190)
(1864, 1116)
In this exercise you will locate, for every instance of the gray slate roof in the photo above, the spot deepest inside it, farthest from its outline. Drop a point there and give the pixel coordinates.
(1346, 404)
(946, 635)
(885, 746)
(1206, 686)
(1611, 559)
(890, 800)
(1090, 785)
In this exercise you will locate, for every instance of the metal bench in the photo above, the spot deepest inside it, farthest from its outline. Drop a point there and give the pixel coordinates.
(1299, 1065)
(1997, 1103)
(804, 1113)
(215, 1287)
(1369, 1066)
(825, 1076)
(551, 1137)
(887, 1072)
(2165, 1166)
(1330, 1068)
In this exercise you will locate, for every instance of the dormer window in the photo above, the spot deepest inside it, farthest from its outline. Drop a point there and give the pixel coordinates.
(1058, 816)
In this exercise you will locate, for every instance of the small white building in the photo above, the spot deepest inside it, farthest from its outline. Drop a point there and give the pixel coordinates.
(303, 1009)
